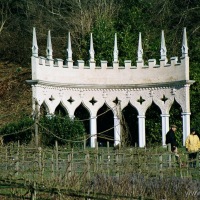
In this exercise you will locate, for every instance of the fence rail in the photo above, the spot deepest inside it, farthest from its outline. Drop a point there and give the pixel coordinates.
(21, 160)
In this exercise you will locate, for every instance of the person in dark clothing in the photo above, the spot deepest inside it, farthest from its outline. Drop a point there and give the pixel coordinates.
(171, 139)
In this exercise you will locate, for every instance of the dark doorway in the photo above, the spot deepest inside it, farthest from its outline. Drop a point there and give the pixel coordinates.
(60, 111)
(44, 111)
(105, 126)
(176, 118)
(129, 127)
(153, 126)
(82, 114)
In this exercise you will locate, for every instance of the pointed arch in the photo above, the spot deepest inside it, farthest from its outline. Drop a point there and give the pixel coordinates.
(175, 112)
(153, 125)
(177, 104)
(44, 109)
(85, 106)
(61, 110)
(62, 103)
(176, 118)
(108, 106)
(105, 125)
(129, 125)
(82, 113)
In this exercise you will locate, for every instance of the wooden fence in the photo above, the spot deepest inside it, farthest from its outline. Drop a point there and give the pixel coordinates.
(20, 161)
(62, 167)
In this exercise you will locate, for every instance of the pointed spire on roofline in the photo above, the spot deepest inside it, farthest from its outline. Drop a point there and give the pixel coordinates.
(115, 52)
(34, 44)
(69, 48)
(163, 50)
(49, 50)
(184, 44)
(140, 50)
(91, 51)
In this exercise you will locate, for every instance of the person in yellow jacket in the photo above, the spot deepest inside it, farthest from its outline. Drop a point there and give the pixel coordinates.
(192, 145)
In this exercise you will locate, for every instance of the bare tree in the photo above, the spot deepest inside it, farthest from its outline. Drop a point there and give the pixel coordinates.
(4, 14)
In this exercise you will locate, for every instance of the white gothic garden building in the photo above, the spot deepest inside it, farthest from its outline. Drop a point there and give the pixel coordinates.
(57, 83)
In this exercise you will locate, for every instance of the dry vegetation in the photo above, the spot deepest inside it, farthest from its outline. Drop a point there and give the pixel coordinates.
(15, 93)
(94, 174)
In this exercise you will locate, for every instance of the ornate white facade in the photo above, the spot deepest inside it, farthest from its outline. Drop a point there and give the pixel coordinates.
(55, 83)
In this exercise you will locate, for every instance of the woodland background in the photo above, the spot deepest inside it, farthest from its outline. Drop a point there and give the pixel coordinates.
(103, 18)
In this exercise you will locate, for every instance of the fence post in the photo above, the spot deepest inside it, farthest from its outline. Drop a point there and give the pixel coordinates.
(96, 144)
(52, 165)
(84, 142)
(96, 166)
(17, 161)
(161, 161)
(40, 157)
(161, 165)
(132, 159)
(108, 158)
(40, 162)
(33, 192)
(56, 155)
(6, 158)
(36, 119)
(169, 147)
(174, 161)
(69, 165)
(87, 161)
(108, 145)
(72, 161)
(170, 156)
(198, 160)
(187, 165)
(117, 163)
(23, 158)
(101, 158)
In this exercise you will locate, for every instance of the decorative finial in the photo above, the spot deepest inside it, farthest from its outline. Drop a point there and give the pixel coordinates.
(69, 48)
(184, 45)
(49, 50)
(163, 50)
(115, 52)
(140, 50)
(34, 44)
(91, 51)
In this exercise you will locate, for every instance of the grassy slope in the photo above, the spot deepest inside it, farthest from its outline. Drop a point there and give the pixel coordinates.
(15, 93)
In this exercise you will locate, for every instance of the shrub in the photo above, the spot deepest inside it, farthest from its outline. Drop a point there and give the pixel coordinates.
(63, 129)
(18, 131)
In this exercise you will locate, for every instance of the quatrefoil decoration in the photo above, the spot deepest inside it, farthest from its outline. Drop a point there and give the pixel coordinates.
(93, 101)
(140, 100)
(164, 98)
(70, 100)
(116, 101)
(51, 98)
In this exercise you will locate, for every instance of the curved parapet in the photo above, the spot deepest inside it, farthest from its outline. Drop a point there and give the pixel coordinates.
(49, 70)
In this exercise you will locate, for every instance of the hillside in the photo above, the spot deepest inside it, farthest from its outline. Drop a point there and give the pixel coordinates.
(103, 19)
(15, 93)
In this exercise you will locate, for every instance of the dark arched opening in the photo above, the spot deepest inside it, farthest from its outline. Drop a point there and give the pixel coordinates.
(129, 126)
(176, 118)
(44, 111)
(82, 114)
(105, 126)
(60, 111)
(153, 126)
